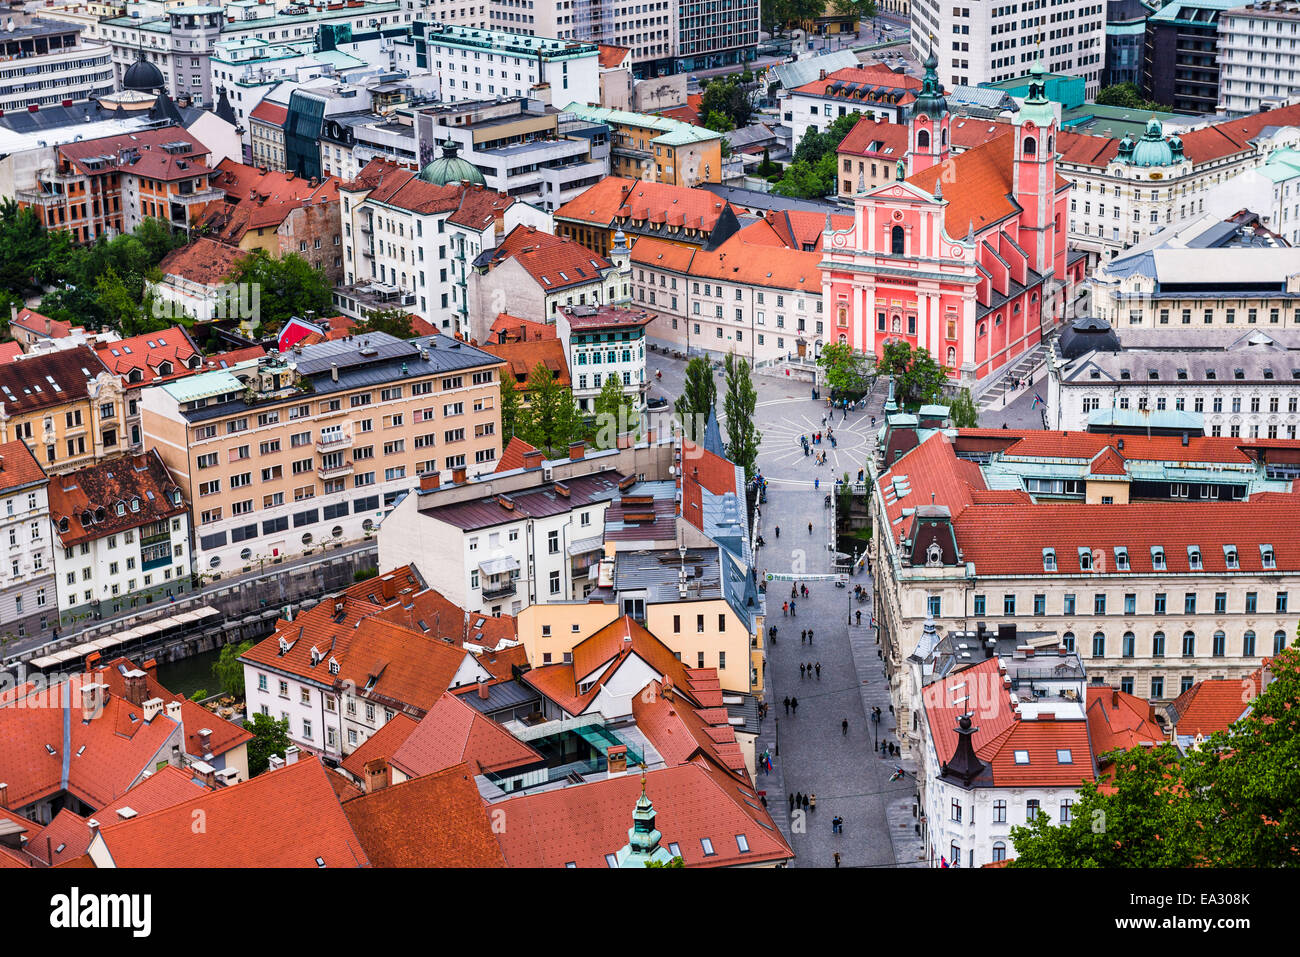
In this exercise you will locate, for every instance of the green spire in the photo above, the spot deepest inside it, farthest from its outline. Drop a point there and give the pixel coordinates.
(930, 100)
(1037, 106)
(642, 837)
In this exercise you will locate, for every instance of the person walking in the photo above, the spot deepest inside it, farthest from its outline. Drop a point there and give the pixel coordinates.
(798, 799)
(794, 706)
(786, 702)
(803, 636)
(778, 531)
(817, 484)
(792, 611)
(837, 858)
(844, 728)
(801, 670)
(791, 803)
(819, 671)
(859, 615)
(812, 801)
(810, 528)
(810, 636)
(805, 590)
(785, 608)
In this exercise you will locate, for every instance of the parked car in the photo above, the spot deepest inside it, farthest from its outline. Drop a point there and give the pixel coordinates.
(657, 402)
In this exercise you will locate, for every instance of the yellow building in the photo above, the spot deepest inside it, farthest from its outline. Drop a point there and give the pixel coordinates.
(65, 406)
(659, 149)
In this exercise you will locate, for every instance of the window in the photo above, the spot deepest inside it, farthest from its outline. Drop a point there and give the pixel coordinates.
(1189, 603)
(978, 605)
(1099, 645)
(1281, 603)
(1130, 603)
(1031, 810)
(1252, 602)
(1040, 605)
(897, 241)
(1189, 644)
(999, 850)
(934, 606)
(956, 810)
(1068, 605)
(1000, 812)
(707, 845)
(1279, 642)
(1067, 806)
(1158, 645)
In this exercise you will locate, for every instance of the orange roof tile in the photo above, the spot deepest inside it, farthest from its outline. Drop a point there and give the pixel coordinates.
(611, 57)
(42, 325)
(1211, 705)
(204, 261)
(868, 76)
(513, 456)
(1120, 721)
(515, 329)
(113, 496)
(18, 467)
(679, 731)
(554, 263)
(148, 355)
(44, 381)
(617, 196)
(521, 358)
(289, 817)
(872, 137)
(380, 746)
(9, 351)
(151, 160)
(433, 821)
(500, 664)
(453, 733)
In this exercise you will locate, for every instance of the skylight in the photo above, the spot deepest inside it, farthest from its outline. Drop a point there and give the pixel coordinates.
(1063, 756)
(1022, 757)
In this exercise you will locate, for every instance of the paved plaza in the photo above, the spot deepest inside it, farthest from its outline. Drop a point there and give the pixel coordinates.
(848, 777)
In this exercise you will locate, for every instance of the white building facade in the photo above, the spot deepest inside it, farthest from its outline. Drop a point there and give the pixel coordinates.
(1257, 49)
(484, 64)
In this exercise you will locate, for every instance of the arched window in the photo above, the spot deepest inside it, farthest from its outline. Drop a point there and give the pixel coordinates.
(1220, 644)
(1130, 645)
(1248, 645)
(943, 137)
(922, 140)
(1031, 148)
(1279, 642)
(896, 240)
(1067, 640)
(1049, 145)
(982, 329)
(1189, 645)
(1099, 645)
(1158, 645)
(999, 851)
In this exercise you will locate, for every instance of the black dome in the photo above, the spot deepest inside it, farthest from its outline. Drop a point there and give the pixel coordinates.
(143, 77)
(1089, 334)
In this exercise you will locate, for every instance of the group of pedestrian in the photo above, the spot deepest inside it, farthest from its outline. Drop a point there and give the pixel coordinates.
(788, 608)
(765, 761)
(888, 747)
(791, 705)
(837, 826)
(800, 800)
(806, 670)
(806, 636)
(798, 590)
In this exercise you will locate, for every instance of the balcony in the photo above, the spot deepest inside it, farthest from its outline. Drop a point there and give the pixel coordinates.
(333, 442)
(329, 470)
(494, 590)
(209, 195)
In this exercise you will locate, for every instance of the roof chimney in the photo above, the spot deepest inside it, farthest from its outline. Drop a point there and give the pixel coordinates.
(483, 688)
(1114, 697)
(137, 685)
(458, 475)
(577, 450)
(274, 762)
(152, 708)
(334, 371)
(430, 481)
(291, 754)
(375, 775)
(533, 458)
(617, 757)
(4, 795)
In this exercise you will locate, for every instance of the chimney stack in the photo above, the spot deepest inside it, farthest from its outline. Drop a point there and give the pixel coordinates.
(375, 775)
(1114, 697)
(430, 481)
(483, 689)
(137, 686)
(291, 754)
(334, 371)
(4, 795)
(577, 450)
(205, 742)
(617, 756)
(152, 708)
(274, 762)
(458, 475)
(533, 459)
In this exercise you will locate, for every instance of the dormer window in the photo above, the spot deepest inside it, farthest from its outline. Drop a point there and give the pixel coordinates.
(1153, 373)
(315, 656)
(1157, 558)
(1267, 556)
(1049, 559)
(1230, 556)
(1194, 557)
(1085, 559)
(334, 666)
(121, 508)
(1121, 558)
(135, 504)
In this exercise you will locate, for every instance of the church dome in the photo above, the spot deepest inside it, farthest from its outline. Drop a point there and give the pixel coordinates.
(1087, 335)
(144, 77)
(1152, 149)
(450, 168)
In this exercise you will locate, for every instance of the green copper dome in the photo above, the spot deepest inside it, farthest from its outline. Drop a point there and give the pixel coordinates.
(1037, 108)
(1152, 149)
(450, 168)
(930, 101)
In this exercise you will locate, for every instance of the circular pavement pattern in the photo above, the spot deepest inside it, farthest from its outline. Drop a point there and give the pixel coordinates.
(781, 456)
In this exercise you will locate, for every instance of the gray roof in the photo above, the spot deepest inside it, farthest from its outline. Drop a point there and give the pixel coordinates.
(791, 75)
(756, 199)
(991, 99)
(1279, 339)
(656, 572)
(1183, 367)
(501, 695)
(541, 501)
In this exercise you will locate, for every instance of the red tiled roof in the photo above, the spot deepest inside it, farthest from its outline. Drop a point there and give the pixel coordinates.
(380, 746)
(153, 162)
(204, 261)
(1120, 721)
(985, 174)
(689, 112)
(146, 354)
(262, 200)
(873, 75)
(621, 637)
(554, 263)
(583, 823)
(284, 818)
(217, 361)
(18, 467)
(453, 733)
(1083, 446)
(9, 351)
(105, 755)
(517, 329)
(617, 196)
(433, 821)
(1108, 461)
(272, 113)
(133, 491)
(1212, 704)
(872, 137)
(513, 456)
(43, 381)
(521, 358)
(166, 787)
(472, 206)
(42, 325)
(679, 731)
(499, 664)
(611, 57)
(967, 132)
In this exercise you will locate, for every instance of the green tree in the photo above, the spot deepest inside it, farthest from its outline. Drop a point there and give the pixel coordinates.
(699, 395)
(1229, 803)
(728, 98)
(269, 737)
(675, 862)
(513, 414)
(848, 371)
(963, 412)
(742, 437)
(718, 122)
(158, 238)
(229, 671)
(396, 322)
(554, 420)
(199, 695)
(289, 286)
(24, 244)
(614, 413)
(918, 378)
(863, 9)
(1127, 95)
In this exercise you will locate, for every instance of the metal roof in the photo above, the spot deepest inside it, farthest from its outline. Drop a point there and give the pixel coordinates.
(791, 75)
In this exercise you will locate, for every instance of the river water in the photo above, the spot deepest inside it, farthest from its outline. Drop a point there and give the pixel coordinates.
(191, 674)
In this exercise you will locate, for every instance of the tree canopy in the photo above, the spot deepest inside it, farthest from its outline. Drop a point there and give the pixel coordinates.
(1229, 803)
(550, 421)
(963, 412)
(848, 371)
(287, 287)
(726, 100)
(699, 395)
(614, 413)
(269, 737)
(918, 378)
(229, 671)
(862, 9)
(396, 322)
(1127, 95)
(742, 437)
(814, 171)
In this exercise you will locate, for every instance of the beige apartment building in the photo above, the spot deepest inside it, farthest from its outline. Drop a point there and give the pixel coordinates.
(287, 454)
(1160, 561)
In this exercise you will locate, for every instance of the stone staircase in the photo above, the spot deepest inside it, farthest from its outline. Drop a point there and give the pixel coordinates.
(991, 390)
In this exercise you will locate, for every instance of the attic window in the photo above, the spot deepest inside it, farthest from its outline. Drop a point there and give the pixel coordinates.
(1230, 556)
(1211, 374)
(1268, 373)
(334, 666)
(1063, 756)
(1157, 558)
(1267, 557)
(1022, 757)
(1182, 373)
(1049, 559)
(1239, 373)
(1194, 557)
(1125, 374)
(1121, 558)
(1153, 373)
(708, 847)
(1094, 374)
(1085, 559)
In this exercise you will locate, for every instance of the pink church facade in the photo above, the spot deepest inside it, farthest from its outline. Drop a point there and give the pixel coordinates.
(967, 256)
